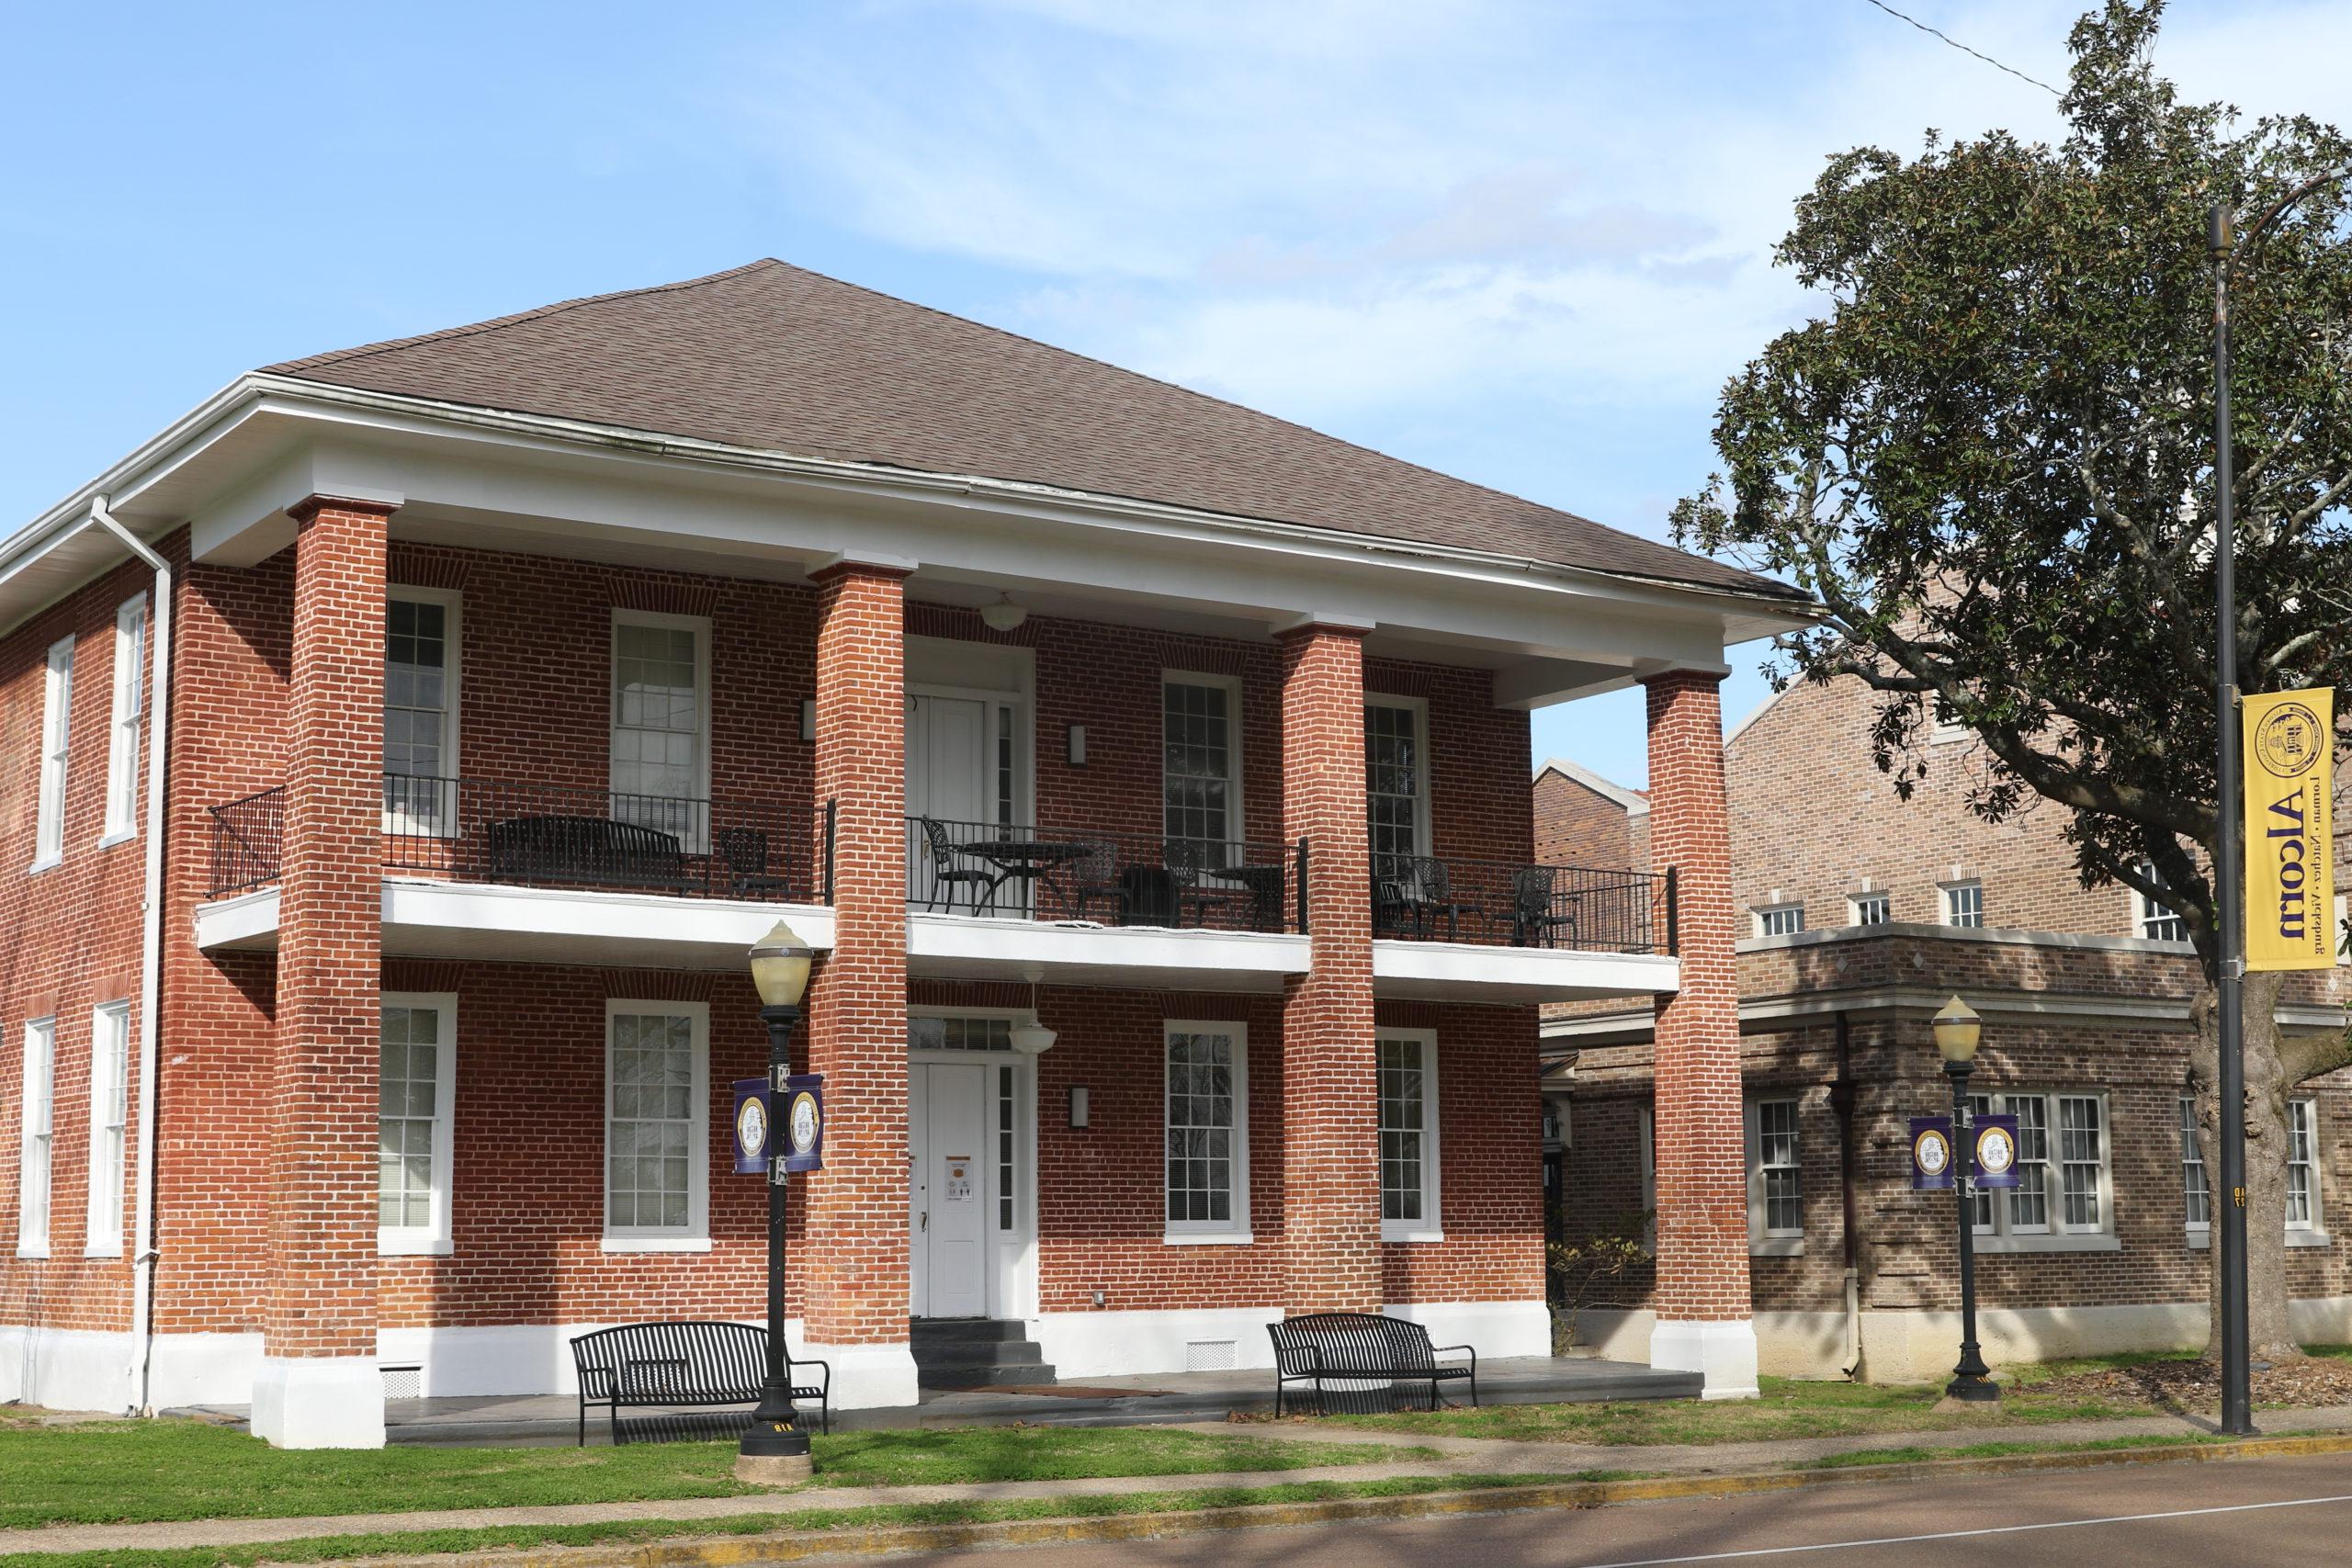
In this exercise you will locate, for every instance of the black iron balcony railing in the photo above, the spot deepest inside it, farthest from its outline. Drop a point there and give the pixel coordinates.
(1114, 879)
(1510, 904)
(533, 835)
(547, 836)
(248, 841)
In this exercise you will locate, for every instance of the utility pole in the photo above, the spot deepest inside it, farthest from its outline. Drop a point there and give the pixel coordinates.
(2237, 1392)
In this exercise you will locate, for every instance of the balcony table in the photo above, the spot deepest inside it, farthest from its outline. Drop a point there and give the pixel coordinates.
(1031, 860)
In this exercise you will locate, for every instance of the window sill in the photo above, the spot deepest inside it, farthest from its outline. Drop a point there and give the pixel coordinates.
(414, 1245)
(117, 836)
(2309, 1238)
(1776, 1246)
(1410, 1237)
(1208, 1239)
(32, 1250)
(109, 1250)
(51, 864)
(655, 1243)
(2048, 1243)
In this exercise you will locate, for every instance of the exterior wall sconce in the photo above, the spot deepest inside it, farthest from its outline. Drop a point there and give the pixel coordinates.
(1078, 1105)
(808, 718)
(1076, 750)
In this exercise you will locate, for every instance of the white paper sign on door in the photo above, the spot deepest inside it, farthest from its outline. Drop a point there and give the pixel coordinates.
(960, 1178)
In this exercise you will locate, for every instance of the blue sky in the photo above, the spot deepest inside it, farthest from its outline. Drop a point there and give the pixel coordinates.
(1521, 242)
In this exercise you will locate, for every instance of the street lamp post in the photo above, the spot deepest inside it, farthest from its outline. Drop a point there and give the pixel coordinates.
(775, 1449)
(1957, 1030)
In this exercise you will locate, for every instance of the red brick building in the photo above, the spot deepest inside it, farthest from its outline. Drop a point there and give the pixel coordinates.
(1859, 914)
(376, 888)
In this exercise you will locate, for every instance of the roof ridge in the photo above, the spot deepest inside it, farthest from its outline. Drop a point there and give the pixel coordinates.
(496, 323)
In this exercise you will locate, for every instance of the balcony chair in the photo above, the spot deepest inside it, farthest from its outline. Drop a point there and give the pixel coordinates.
(1093, 879)
(1537, 916)
(743, 856)
(1415, 892)
(947, 875)
(1201, 881)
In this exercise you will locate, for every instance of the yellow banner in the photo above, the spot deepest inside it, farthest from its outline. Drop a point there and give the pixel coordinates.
(2290, 831)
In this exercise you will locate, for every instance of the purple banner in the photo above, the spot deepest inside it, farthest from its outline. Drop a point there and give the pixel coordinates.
(1931, 1160)
(750, 1123)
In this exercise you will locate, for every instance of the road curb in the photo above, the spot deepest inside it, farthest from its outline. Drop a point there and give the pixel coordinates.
(790, 1546)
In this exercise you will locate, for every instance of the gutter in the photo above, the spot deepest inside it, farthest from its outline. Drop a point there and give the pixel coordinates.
(151, 950)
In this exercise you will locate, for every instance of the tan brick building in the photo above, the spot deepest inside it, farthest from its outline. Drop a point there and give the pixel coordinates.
(375, 891)
(1859, 914)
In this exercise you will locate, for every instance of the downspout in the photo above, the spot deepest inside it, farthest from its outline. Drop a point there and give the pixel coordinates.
(1841, 1100)
(150, 956)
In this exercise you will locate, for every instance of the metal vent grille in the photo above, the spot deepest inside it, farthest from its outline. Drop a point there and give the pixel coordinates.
(403, 1382)
(1208, 1354)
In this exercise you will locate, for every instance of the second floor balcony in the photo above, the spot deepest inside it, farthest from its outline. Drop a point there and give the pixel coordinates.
(650, 878)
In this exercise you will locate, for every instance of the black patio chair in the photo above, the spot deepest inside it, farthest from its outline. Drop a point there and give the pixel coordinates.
(1419, 892)
(946, 875)
(743, 855)
(1201, 881)
(1091, 879)
(1537, 915)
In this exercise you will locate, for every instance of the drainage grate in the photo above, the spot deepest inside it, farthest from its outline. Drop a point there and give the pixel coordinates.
(403, 1382)
(1208, 1354)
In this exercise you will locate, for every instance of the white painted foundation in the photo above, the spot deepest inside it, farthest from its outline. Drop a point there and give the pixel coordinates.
(319, 1402)
(1723, 1353)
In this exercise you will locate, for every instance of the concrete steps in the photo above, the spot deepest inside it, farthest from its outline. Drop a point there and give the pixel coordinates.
(976, 1352)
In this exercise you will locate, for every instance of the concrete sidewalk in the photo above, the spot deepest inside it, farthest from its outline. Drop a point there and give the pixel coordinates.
(1463, 1457)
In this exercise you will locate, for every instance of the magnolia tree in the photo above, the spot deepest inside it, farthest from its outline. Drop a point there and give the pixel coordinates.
(1991, 459)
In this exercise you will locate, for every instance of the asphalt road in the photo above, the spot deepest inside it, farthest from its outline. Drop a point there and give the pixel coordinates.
(2273, 1513)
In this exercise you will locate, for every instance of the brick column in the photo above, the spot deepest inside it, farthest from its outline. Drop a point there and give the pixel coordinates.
(1331, 1149)
(1704, 1317)
(851, 1264)
(318, 1387)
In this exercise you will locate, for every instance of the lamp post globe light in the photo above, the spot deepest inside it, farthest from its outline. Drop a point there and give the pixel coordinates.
(775, 1449)
(1957, 1030)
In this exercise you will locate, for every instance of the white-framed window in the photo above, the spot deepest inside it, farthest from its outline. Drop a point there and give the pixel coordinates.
(2303, 1213)
(2152, 918)
(657, 1108)
(1779, 919)
(56, 738)
(1868, 908)
(2065, 1188)
(2196, 1190)
(129, 713)
(33, 1164)
(1199, 777)
(422, 639)
(1410, 1207)
(1397, 777)
(1207, 1100)
(109, 1106)
(416, 1101)
(660, 766)
(1963, 903)
(1775, 1178)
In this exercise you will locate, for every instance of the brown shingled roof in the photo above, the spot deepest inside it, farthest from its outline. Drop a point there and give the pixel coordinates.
(776, 358)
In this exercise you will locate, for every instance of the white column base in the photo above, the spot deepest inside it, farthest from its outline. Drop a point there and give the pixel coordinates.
(319, 1402)
(869, 1377)
(1724, 1353)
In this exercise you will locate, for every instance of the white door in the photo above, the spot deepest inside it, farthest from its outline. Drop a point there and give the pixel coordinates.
(948, 1202)
(947, 758)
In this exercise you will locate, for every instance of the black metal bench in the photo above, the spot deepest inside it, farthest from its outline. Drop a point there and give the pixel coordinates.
(1362, 1347)
(593, 849)
(665, 1365)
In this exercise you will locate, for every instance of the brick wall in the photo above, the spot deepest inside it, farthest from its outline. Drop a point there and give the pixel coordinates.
(72, 945)
(1577, 826)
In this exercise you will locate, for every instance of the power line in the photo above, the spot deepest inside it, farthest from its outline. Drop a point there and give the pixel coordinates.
(1964, 49)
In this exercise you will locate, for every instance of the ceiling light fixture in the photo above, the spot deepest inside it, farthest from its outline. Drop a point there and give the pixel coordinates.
(1004, 615)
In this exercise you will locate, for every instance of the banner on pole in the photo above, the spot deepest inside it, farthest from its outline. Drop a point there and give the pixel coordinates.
(1994, 1138)
(1930, 1153)
(2290, 830)
(751, 1127)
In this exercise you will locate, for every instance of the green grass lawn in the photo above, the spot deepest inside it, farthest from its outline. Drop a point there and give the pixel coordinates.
(104, 1472)
(327, 1548)
(1788, 1409)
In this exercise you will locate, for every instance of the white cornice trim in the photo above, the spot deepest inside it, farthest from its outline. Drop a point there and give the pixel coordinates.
(126, 478)
(1634, 802)
(1995, 936)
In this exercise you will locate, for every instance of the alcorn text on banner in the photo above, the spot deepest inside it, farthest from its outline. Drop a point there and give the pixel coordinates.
(2290, 831)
